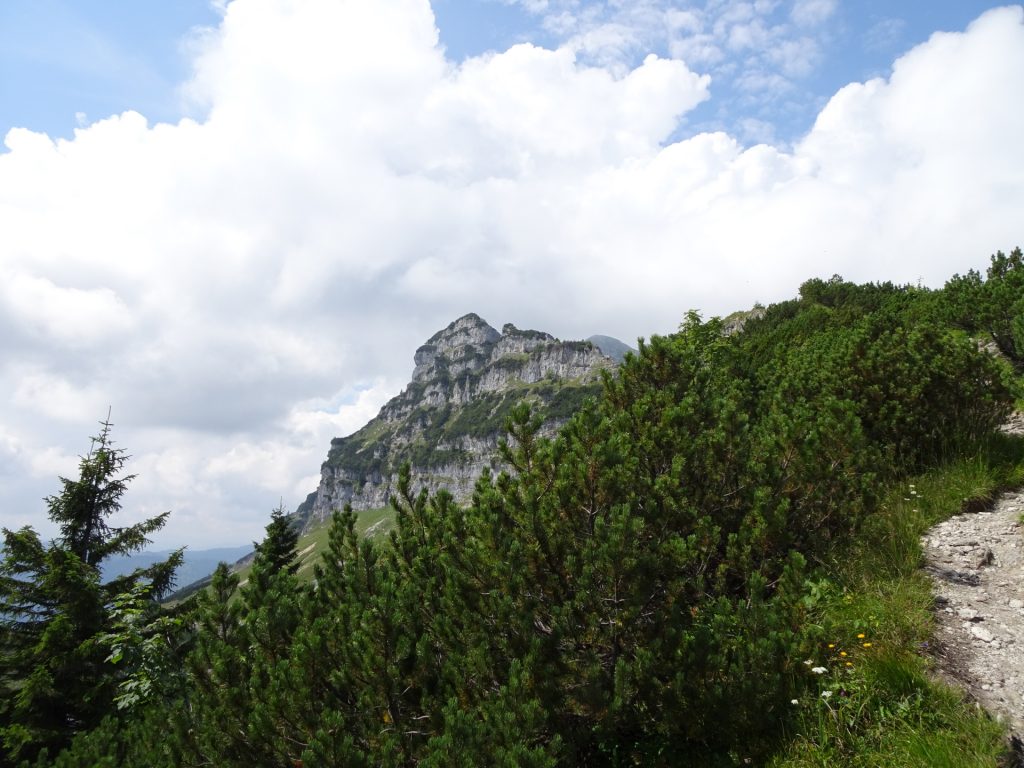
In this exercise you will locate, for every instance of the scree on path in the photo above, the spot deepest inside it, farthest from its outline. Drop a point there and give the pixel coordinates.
(976, 561)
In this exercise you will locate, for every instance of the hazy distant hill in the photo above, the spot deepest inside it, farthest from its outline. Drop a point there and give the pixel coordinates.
(611, 346)
(198, 563)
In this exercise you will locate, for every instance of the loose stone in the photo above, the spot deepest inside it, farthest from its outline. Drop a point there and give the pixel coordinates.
(977, 565)
(982, 634)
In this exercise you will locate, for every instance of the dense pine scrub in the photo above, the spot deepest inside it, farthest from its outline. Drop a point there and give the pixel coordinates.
(710, 564)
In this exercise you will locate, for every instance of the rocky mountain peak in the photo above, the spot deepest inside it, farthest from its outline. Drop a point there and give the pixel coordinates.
(448, 420)
(463, 342)
(468, 330)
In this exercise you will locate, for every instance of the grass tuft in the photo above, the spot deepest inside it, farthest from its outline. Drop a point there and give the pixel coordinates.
(877, 702)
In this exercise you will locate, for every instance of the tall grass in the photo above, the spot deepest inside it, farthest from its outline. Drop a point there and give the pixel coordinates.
(878, 702)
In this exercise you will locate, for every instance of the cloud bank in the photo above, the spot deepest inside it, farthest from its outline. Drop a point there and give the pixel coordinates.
(243, 286)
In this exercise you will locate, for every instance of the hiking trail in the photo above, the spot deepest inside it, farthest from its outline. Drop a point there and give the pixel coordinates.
(976, 561)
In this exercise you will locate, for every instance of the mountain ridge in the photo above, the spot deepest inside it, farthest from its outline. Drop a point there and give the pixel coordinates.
(447, 421)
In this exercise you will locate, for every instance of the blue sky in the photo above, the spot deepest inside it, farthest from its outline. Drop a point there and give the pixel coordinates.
(59, 59)
(857, 41)
(64, 63)
(234, 224)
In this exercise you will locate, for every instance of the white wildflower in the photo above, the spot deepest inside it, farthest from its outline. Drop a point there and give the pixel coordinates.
(819, 670)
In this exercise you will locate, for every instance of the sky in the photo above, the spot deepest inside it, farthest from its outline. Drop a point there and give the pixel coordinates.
(232, 223)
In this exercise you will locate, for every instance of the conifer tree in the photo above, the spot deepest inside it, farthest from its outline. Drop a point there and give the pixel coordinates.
(276, 554)
(55, 607)
(217, 670)
(242, 650)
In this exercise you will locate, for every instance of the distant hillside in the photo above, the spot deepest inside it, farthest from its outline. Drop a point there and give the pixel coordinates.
(611, 347)
(372, 524)
(197, 564)
(448, 420)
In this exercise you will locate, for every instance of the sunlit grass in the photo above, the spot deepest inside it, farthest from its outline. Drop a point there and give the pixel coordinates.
(881, 705)
(374, 523)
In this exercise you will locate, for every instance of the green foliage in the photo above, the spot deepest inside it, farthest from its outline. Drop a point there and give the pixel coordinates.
(560, 403)
(55, 680)
(918, 393)
(218, 671)
(276, 554)
(992, 307)
(643, 589)
(880, 706)
(919, 390)
(148, 642)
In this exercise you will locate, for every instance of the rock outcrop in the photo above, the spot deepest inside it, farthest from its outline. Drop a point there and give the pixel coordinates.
(447, 422)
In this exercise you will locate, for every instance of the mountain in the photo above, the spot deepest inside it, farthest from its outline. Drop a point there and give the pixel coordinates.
(197, 563)
(447, 422)
(611, 347)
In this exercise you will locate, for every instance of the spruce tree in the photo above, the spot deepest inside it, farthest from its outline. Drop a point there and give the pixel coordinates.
(55, 607)
(276, 554)
(242, 650)
(219, 698)
(272, 613)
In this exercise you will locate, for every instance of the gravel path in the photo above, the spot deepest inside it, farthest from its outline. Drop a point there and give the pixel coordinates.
(976, 561)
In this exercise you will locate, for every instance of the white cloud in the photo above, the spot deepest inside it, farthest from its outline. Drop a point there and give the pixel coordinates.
(532, 111)
(680, 21)
(759, 34)
(52, 396)
(809, 13)
(62, 314)
(756, 131)
(749, 35)
(763, 85)
(51, 462)
(796, 57)
(884, 33)
(342, 415)
(245, 285)
(697, 49)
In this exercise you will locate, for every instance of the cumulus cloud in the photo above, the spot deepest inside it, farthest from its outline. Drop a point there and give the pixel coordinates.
(808, 13)
(698, 32)
(54, 313)
(244, 285)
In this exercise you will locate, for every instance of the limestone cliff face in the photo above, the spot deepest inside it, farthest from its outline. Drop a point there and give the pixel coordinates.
(448, 420)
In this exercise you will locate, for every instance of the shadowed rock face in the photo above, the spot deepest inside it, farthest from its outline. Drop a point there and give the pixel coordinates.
(446, 423)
